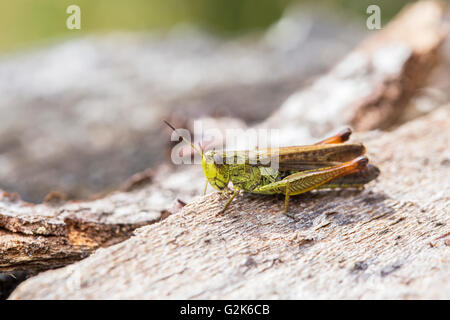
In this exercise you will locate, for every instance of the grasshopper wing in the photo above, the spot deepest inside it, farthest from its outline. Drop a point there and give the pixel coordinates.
(312, 157)
(294, 158)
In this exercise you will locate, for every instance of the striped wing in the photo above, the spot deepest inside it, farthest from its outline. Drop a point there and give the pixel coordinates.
(297, 157)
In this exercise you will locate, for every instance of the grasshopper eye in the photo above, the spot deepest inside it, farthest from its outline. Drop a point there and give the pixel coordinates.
(208, 159)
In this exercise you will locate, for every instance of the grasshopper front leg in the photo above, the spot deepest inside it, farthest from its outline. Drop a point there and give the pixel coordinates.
(205, 188)
(305, 181)
(235, 193)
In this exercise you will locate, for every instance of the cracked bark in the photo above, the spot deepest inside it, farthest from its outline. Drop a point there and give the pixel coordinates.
(45, 236)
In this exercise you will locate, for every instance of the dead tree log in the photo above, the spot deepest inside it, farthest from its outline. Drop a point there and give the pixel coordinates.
(30, 233)
(354, 241)
(45, 236)
(388, 241)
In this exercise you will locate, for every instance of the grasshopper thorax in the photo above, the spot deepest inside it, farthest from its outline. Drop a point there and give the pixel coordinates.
(217, 174)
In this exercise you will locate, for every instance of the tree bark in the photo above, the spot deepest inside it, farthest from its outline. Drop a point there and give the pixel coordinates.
(389, 241)
(46, 236)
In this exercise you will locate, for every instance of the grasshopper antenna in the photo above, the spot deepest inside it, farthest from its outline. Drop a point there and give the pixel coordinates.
(201, 148)
(184, 139)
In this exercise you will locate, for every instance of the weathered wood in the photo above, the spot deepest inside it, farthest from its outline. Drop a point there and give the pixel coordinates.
(370, 87)
(82, 227)
(353, 240)
(403, 54)
(45, 236)
(388, 241)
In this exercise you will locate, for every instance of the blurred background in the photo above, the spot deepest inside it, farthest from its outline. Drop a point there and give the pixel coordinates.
(27, 22)
(81, 110)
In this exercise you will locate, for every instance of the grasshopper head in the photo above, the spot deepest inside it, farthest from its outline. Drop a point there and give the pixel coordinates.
(217, 175)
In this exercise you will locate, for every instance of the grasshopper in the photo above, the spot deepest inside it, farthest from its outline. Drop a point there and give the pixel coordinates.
(328, 164)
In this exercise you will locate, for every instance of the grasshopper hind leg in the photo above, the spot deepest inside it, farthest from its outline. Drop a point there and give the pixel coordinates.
(305, 181)
(340, 137)
(355, 180)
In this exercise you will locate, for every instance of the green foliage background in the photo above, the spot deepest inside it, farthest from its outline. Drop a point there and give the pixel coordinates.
(26, 22)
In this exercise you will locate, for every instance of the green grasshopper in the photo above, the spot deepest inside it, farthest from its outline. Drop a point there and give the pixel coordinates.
(327, 164)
